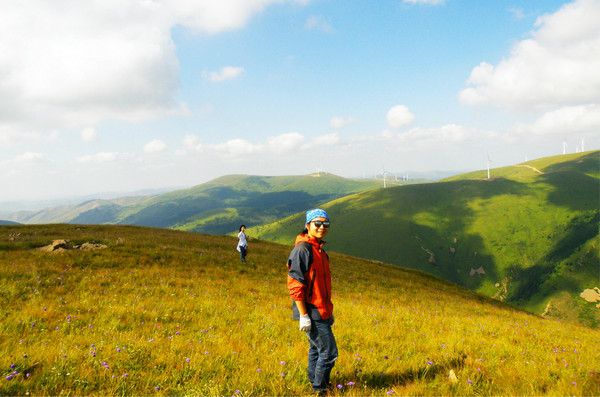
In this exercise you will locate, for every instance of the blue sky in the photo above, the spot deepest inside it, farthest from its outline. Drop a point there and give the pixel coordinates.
(120, 96)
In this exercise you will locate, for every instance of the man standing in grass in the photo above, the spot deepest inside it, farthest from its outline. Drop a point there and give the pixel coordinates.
(309, 283)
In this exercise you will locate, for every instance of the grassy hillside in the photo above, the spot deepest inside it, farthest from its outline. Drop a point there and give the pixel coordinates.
(532, 229)
(161, 312)
(216, 207)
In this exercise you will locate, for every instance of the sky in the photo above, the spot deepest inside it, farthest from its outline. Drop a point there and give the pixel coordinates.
(118, 96)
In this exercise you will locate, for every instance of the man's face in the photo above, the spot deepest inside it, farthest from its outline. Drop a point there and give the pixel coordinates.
(318, 228)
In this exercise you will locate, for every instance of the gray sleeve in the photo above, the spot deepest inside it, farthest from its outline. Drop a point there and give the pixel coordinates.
(299, 262)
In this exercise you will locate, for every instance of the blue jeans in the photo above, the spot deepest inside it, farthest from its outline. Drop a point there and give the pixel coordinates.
(322, 353)
(243, 250)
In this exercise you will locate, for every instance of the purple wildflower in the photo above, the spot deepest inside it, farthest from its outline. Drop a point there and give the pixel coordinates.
(27, 375)
(177, 333)
(469, 381)
(351, 383)
(12, 366)
(574, 383)
(429, 362)
(105, 364)
(390, 392)
(69, 318)
(9, 377)
(339, 386)
(187, 360)
(118, 349)
(258, 370)
(125, 375)
(282, 363)
(157, 388)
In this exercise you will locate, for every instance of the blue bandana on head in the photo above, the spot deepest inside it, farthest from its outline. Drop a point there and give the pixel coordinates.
(316, 213)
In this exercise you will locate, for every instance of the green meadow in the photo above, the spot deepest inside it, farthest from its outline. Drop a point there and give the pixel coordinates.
(161, 312)
(527, 236)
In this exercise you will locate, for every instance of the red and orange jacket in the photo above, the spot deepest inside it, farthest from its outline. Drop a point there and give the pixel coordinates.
(309, 277)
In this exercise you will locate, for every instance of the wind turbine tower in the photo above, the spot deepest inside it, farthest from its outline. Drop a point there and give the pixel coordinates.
(564, 147)
(488, 165)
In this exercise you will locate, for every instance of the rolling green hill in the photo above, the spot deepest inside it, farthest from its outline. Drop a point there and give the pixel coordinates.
(216, 207)
(160, 312)
(528, 236)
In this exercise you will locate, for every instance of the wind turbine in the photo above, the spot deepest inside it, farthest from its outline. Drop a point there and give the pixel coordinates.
(384, 174)
(488, 165)
(564, 147)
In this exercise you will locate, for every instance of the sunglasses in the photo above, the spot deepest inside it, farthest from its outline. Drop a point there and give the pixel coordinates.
(318, 224)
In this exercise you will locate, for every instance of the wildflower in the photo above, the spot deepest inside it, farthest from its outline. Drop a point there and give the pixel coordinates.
(282, 363)
(351, 383)
(69, 318)
(469, 381)
(125, 375)
(283, 374)
(118, 349)
(187, 360)
(339, 386)
(151, 340)
(237, 391)
(574, 383)
(105, 365)
(385, 357)
(429, 362)
(27, 375)
(390, 392)
(10, 377)
(258, 370)
(157, 388)
(12, 366)
(177, 333)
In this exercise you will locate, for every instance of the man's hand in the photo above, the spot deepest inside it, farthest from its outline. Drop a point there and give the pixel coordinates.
(305, 323)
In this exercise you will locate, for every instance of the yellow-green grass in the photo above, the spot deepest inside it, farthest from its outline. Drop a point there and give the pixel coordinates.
(163, 312)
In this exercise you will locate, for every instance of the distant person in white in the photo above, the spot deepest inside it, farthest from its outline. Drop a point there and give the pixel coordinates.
(242, 246)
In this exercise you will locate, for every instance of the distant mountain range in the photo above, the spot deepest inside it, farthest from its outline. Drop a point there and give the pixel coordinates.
(215, 207)
(527, 236)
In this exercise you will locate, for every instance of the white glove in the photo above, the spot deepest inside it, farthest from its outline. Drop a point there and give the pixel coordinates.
(305, 323)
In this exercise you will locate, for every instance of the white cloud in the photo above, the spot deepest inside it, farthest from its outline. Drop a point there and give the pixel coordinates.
(155, 146)
(88, 134)
(327, 140)
(191, 141)
(235, 148)
(399, 116)
(102, 157)
(428, 2)
(341, 122)
(224, 74)
(71, 64)
(568, 120)
(318, 22)
(30, 157)
(557, 66)
(285, 143)
(517, 12)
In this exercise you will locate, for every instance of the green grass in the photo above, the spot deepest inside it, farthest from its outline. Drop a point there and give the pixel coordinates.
(535, 233)
(162, 312)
